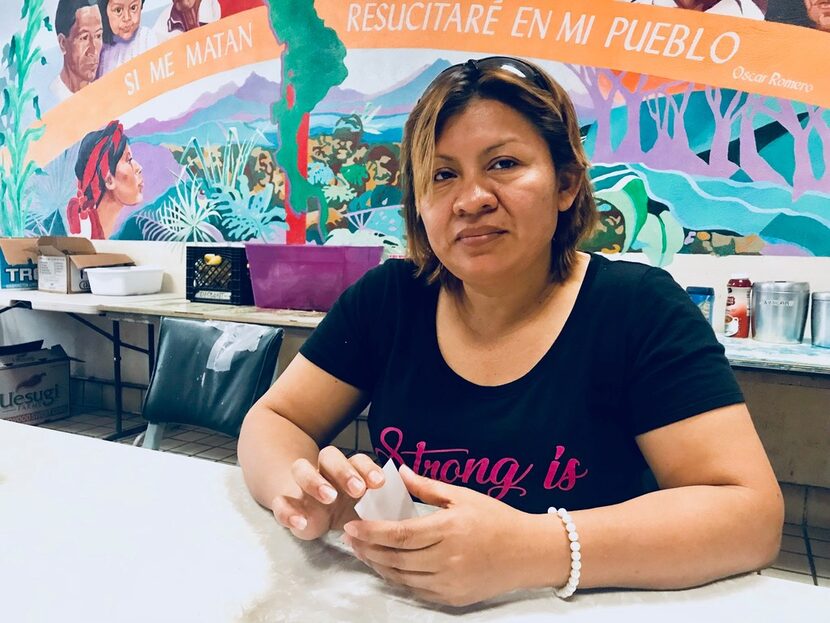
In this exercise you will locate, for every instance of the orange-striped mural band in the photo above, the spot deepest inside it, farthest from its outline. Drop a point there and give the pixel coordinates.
(232, 42)
(728, 52)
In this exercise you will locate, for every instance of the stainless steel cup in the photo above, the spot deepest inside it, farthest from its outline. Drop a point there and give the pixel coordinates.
(820, 319)
(779, 311)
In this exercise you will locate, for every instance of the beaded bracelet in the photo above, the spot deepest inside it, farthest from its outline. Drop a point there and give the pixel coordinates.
(576, 557)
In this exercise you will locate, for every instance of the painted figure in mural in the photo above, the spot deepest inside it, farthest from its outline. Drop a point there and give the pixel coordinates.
(382, 165)
(109, 179)
(753, 9)
(511, 375)
(124, 36)
(808, 13)
(231, 7)
(819, 13)
(185, 15)
(80, 37)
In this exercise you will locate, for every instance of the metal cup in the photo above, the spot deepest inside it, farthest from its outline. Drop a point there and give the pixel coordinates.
(779, 311)
(820, 319)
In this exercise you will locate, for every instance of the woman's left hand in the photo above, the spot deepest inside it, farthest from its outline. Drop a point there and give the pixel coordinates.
(474, 548)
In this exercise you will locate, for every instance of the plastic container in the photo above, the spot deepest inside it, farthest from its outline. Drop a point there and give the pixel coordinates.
(308, 277)
(218, 274)
(820, 319)
(125, 280)
(736, 320)
(704, 298)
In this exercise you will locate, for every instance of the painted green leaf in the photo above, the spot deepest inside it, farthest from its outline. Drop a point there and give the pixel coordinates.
(355, 174)
(661, 237)
(33, 134)
(629, 196)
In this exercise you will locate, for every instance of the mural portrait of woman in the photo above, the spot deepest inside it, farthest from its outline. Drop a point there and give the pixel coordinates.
(109, 179)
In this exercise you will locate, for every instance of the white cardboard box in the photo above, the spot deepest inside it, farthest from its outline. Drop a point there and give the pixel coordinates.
(63, 262)
(34, 385)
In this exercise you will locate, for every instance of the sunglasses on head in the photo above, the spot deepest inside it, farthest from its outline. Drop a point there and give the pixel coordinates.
(507, 63)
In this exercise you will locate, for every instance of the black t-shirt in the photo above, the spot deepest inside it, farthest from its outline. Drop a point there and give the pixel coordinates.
(634, 355)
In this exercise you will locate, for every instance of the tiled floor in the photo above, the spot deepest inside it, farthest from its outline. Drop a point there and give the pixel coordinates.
(188, 440)
(805, 550)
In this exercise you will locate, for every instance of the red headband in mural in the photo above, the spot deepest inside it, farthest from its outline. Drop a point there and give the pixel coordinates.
(104, 154)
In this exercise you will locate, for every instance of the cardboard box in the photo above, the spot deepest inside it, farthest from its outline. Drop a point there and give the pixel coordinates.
(18, 263)
(34, 384)
(63, 260)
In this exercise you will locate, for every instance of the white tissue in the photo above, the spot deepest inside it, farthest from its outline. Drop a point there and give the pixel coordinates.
(391, 502)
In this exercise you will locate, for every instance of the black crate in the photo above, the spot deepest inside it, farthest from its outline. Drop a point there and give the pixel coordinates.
(227, 281)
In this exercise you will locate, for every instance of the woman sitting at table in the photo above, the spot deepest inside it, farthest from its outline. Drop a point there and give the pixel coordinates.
(515, 375)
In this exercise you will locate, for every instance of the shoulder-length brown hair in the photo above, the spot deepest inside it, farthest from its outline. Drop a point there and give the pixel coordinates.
(551, 112)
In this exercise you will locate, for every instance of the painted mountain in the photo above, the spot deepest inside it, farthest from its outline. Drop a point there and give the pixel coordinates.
(247, 109)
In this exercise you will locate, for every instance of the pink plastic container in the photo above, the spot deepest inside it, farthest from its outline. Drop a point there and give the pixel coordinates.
(309, 277)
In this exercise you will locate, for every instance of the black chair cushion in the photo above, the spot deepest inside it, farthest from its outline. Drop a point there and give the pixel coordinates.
(210, 373)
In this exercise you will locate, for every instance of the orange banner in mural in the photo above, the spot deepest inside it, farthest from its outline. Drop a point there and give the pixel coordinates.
(729, 52)
(232, 42)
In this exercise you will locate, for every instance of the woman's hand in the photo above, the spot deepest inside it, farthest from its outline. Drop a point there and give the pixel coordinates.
(328, 492)
(476, 547)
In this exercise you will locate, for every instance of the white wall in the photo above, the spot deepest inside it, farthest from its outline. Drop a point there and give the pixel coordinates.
(714, 272)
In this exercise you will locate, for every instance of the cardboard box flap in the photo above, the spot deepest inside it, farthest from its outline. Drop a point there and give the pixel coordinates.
(82, 262)
(19, 250)
(65, 245)
(14, 349)
(42, 355)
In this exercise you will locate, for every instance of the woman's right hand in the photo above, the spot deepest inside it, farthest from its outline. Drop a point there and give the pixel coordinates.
(328, 492)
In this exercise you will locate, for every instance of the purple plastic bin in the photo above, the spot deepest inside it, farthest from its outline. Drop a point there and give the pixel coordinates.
(307, 277)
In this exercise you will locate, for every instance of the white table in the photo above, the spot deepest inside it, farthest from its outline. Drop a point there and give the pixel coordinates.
(181, 540)
(82, 304)
(75, 303)
(800, 358)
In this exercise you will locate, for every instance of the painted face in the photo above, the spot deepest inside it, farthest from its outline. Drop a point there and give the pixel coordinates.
(82, 48)
(819, 13)
(696, 5)
(124, 17)
(495, 198)
(127, 184)
(183, 5)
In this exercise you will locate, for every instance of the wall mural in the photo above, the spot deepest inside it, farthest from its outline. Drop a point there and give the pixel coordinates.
(231, 120)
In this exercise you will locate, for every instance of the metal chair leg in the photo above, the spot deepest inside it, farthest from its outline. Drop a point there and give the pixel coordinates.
(153, 435)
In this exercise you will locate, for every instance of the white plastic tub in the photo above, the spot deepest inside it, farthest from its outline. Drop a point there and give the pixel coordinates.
(125, 280)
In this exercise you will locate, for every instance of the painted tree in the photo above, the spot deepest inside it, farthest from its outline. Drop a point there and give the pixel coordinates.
(603, 103)
(800, 126)
(609, 89)
(631, 88)
(725, 111)
(312, 63)
(16, 168)
(753, 164)
(669, 115)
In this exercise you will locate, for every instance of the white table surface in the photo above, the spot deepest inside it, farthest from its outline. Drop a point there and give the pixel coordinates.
(182, 308)
(93, 531)
(750, 353)
(76, 303)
